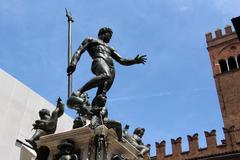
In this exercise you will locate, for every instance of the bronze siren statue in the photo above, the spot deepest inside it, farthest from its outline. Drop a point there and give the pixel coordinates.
(47, 124)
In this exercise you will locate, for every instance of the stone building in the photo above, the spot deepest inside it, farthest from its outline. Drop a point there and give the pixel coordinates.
(19, 109)
(224, 52)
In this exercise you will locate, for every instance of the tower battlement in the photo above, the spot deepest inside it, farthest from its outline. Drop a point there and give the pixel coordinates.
(229, 144)
(220, 36)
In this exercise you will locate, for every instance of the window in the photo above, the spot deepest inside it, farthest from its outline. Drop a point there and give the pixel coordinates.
(223, 65)
(232, 63)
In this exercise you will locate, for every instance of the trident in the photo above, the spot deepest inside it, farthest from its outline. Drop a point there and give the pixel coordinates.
(70, 21)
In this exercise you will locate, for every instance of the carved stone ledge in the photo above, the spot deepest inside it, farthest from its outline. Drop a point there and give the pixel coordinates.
(84, 141)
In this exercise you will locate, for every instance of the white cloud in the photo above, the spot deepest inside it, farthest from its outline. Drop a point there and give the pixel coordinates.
(139, 97)
(227, 6)
(183, 8)
(180, 5)
(157, 94)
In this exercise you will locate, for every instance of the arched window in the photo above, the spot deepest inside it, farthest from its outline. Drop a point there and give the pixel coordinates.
(223, 65)
(232, 63)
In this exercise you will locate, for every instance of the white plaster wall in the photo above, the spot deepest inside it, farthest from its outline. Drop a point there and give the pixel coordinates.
(19, 107)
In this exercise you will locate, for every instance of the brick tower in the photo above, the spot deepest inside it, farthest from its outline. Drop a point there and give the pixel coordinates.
(224, 52)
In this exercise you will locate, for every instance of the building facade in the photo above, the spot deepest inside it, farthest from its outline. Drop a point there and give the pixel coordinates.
(19, 110)
(224, 52)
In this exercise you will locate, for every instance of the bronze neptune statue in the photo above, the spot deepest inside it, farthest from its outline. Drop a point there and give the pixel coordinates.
(102, 65)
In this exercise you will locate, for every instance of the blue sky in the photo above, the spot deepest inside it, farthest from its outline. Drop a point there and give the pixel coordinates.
(172, 95)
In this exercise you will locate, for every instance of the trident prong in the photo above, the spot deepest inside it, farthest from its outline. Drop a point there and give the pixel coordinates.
(69, 15)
